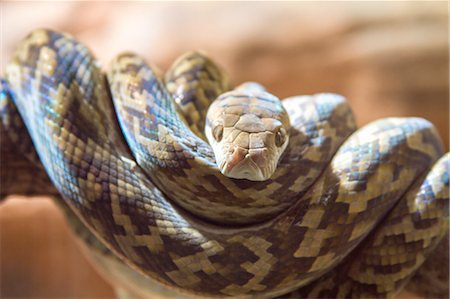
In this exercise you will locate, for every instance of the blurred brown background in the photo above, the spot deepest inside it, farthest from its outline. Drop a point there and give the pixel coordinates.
(387, 58)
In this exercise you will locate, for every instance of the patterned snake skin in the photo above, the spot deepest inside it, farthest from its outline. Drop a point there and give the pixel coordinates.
(348, 213)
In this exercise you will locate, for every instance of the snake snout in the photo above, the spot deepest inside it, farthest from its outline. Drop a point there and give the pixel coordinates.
(244, 163)
(237, 156)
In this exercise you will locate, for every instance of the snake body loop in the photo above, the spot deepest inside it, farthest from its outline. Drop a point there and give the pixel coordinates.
(350, 212)
(183, 165)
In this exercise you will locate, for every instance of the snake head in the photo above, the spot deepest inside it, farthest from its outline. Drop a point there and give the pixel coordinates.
(247, 129)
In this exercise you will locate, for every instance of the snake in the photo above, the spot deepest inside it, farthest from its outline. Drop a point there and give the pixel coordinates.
(217, 191)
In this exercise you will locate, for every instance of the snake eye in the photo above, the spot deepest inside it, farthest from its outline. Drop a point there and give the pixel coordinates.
(218, 132)
(280, 137)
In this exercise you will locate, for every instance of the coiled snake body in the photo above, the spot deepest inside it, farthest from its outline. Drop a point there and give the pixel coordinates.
(350, 213)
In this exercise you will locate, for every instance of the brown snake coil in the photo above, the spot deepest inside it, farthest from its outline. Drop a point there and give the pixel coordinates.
(347, 213)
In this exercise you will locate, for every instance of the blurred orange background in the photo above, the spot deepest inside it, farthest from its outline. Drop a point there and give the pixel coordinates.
(387, 58)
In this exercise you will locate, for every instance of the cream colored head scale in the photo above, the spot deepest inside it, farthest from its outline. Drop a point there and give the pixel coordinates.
(248, 129)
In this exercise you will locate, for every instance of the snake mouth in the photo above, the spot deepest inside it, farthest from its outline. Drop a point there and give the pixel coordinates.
(245, 170)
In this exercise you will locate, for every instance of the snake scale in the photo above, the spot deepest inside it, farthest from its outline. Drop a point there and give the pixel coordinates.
(347, 213)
